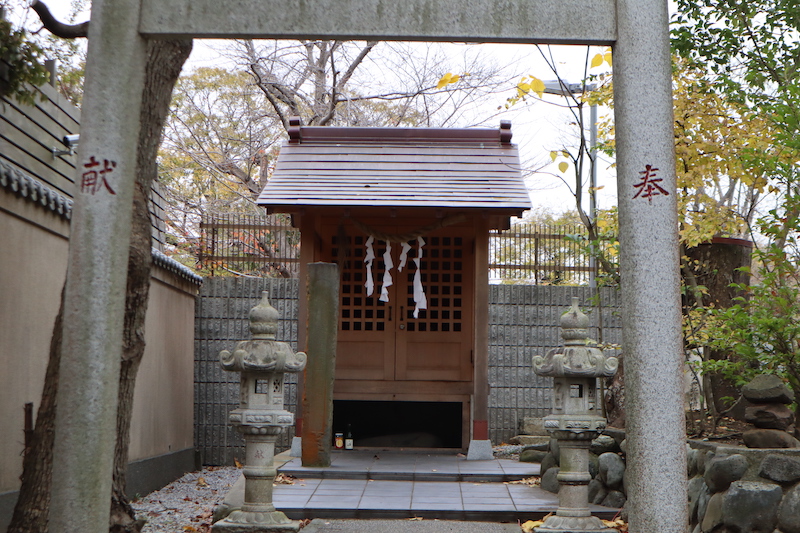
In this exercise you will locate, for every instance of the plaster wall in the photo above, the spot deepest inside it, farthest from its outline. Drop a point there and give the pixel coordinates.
(32, 268)
(163, 406)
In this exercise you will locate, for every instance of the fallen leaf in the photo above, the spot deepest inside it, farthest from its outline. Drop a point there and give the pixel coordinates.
(284, 479)
(237, 463)
(201, 482)
(528, 526)
(416, 518)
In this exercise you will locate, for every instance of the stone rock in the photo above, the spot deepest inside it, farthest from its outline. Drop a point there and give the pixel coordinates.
(548, 462)
(703, 458)
(697, 486)
(780, 468)
(789, 512)
(768, 388)
(691, 463)
(612, 470)
(623, 512)
(752, 506)
(554, 448)
(549, 481)
(769, 438)
(722, 471)
(597, 492)
(530, 425)
(702, 502)
(623, 446)
(594, 465)
(603, 444)
(770, 416)
(614, 498)
(539, 447)
(713, 515)
(531, 456)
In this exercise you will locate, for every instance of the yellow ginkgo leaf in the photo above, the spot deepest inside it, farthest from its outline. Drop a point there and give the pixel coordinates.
(597, 60)
(563, 166)
(553, 155)
(444, 80)
(608, 58)
(537, 86)
(454, 78)
(528, 526)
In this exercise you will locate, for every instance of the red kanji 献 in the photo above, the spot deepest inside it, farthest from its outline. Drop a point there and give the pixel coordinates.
(648, 186)
(95, 177)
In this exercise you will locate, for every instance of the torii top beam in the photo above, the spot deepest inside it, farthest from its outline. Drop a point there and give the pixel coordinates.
(499, 21)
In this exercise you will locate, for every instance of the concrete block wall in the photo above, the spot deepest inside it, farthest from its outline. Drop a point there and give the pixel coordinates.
(524, 321)
(222, 312)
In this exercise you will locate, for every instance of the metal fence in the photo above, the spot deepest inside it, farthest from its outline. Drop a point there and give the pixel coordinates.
(265, 246)
(530, 254)
(536, 254)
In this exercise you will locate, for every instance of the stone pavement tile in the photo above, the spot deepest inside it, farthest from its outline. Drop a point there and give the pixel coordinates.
(436, 499)
(484, 489)
(334, 502)
(385, 503)
(517, 468)
(339, 492)
(448, 505)
(442, 492)
(470, 502)
(342, 483)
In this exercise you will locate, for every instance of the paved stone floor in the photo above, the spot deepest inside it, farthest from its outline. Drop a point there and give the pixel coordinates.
(369, 484)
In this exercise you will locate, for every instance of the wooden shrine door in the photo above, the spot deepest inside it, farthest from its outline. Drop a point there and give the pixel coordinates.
(382, 340)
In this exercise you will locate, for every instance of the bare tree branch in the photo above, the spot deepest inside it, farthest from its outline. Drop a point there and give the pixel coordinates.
(56, 27)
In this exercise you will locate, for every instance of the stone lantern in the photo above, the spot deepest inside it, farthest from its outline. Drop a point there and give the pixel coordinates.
(260, 418)
(576, 419)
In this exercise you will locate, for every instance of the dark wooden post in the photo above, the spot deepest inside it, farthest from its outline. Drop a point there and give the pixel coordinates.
(323, 314)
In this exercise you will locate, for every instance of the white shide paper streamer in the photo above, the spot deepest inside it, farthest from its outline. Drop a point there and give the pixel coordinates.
(387, 274)
(419, 293)
(368, 259)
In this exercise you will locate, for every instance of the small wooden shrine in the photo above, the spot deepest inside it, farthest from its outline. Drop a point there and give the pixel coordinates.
(406, 214)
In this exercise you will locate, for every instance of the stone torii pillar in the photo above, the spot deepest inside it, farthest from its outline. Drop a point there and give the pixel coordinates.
(97, 271)
(649, 268)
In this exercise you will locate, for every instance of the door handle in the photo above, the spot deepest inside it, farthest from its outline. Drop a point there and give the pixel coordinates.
(402, 326)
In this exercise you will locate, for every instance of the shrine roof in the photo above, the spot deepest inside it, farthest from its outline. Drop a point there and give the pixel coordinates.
(398, 167)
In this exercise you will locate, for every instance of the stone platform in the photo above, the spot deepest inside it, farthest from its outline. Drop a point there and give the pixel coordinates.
(369, 484)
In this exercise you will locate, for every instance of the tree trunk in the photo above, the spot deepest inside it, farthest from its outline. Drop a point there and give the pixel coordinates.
(716, 267)
(32, 509)
(165, 60)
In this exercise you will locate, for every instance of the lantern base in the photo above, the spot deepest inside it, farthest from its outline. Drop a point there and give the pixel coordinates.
(573, 524)
(256, 522)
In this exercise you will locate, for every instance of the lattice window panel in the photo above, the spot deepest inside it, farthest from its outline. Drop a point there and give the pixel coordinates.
(360, 312)
(442, 268)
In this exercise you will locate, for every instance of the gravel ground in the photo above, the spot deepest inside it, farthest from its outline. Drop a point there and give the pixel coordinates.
(186, 504)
